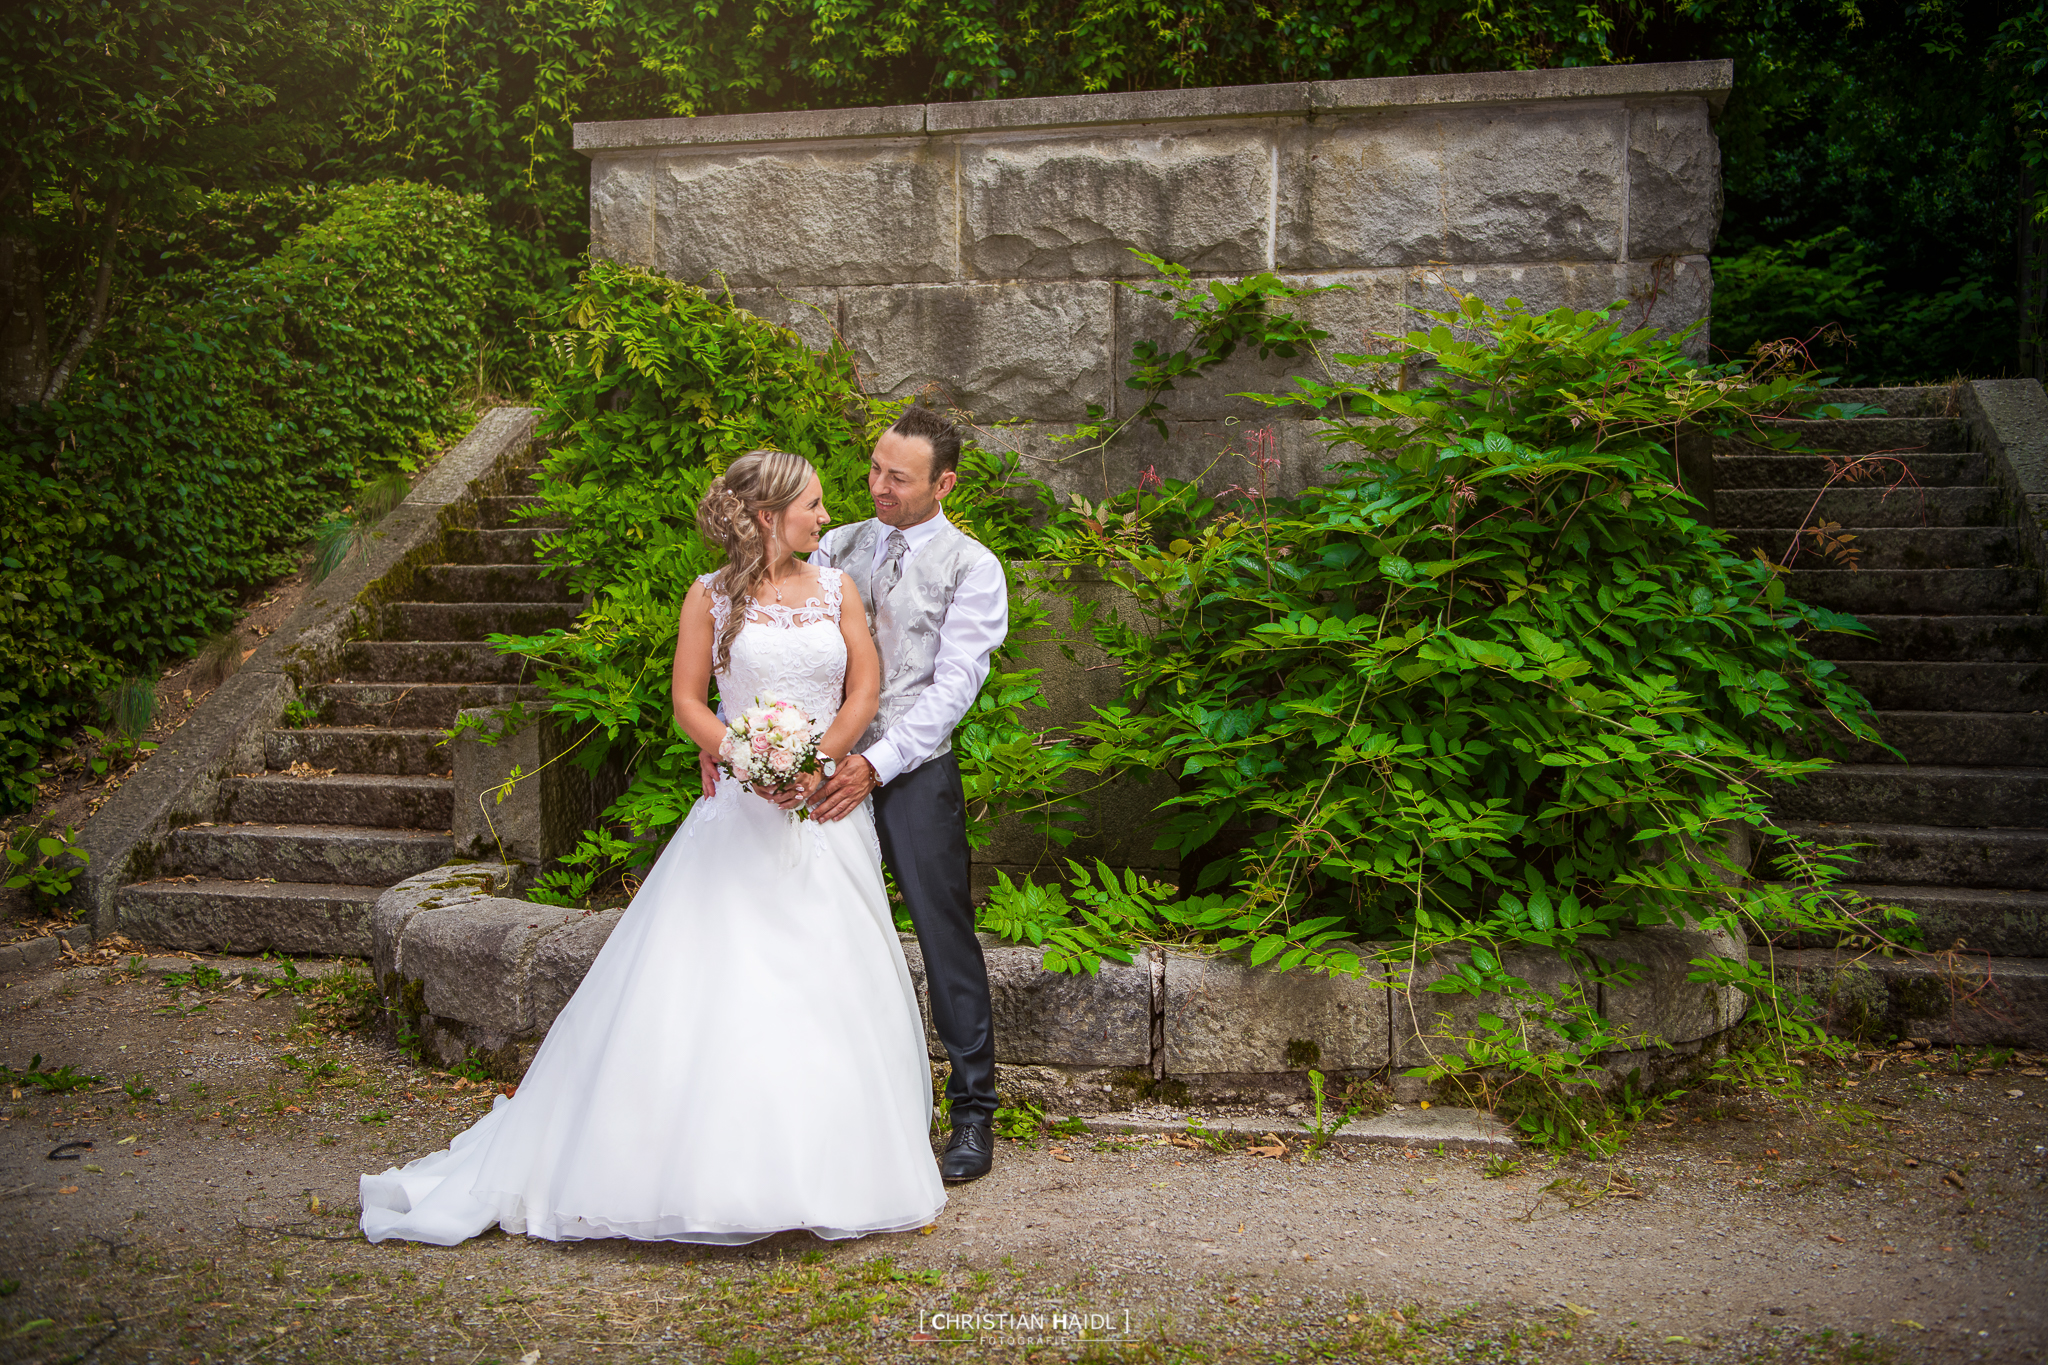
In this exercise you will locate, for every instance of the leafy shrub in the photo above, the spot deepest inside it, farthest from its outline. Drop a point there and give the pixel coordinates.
(656, 387)
(44, 865)
(205, 440)
(1496, 677)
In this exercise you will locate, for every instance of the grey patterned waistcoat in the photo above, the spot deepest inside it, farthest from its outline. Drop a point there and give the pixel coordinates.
(906, 625)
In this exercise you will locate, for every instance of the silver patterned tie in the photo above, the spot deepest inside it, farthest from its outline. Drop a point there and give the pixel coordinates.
(891, 571)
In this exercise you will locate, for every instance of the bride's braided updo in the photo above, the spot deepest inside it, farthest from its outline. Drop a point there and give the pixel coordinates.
(758, 481)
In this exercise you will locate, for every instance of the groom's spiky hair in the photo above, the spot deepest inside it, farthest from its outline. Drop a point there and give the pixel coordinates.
(932, 426)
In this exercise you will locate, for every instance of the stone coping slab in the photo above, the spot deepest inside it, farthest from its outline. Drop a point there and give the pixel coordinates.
(180, 784)
(1453, 1129)
(1709, 80)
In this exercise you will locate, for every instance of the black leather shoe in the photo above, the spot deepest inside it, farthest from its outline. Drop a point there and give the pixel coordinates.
(970, 1152)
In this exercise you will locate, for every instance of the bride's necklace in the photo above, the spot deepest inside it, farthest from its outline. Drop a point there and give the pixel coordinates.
(778, 589)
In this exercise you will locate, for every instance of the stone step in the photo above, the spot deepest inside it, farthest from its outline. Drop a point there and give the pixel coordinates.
(344, 799)
(2002, 923)
(1888, 547)
(1933, 592)
(1857, 506)
(364, 749)
(498, 513)
(410, 706)
(1916, 400)
(490, 583)
(1933, 855)
(348, 855)
(1964, 739)
(440, 661)
(1952, 1000)
(1863, 436)
(1925, 685)
(249, 917)
(1922, 794)
(1779, 470)
(504, 545)
(472, 620)
(1981, 639)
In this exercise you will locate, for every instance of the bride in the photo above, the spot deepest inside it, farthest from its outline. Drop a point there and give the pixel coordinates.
(745, 1055)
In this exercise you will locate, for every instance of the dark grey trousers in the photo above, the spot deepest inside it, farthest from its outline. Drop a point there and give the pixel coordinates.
(922, 820)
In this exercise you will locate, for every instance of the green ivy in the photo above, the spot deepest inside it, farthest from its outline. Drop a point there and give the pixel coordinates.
(1492, 678)
(208, 436)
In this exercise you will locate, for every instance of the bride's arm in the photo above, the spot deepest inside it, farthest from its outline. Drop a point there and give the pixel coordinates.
(690, 684)
(863, 676)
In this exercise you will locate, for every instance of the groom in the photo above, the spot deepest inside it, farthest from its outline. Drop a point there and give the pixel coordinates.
(939, 608)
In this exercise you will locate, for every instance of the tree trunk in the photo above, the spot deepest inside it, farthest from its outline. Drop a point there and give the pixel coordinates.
(102, 296)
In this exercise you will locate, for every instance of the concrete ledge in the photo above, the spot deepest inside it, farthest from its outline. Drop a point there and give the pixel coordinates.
(180, 784)
(895, 120)
(474, 973)
(1454, 1129)
(1711, 80)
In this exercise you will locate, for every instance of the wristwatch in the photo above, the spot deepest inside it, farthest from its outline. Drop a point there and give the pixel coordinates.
(828, 766)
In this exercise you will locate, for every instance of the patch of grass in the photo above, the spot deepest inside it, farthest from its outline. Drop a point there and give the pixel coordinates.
(61, 1081)
(200, 978)
(219, 658)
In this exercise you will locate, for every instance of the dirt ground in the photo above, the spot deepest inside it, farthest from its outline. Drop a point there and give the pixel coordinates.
(1896, 1214)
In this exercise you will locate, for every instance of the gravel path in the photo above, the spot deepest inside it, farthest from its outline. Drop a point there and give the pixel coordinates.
(1895, 1214)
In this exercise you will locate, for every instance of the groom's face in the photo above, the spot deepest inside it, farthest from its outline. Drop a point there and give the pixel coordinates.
(901, 483)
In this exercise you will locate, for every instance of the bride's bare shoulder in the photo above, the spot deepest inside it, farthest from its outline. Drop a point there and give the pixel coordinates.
(700, 599)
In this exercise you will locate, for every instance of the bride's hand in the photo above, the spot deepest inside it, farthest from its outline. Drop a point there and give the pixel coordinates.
(797, 792)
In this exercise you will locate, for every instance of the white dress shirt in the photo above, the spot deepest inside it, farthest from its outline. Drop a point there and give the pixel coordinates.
(975, 625)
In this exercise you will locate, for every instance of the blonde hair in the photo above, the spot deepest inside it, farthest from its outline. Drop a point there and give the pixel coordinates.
(758, 481)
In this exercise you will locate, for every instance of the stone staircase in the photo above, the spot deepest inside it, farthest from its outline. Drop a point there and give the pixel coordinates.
(1959, 831)
(294, 857)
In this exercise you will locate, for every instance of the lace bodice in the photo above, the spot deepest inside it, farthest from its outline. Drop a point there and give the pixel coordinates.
(795, 653)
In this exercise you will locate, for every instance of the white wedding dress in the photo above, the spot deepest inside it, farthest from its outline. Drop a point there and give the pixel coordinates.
(745, 1055)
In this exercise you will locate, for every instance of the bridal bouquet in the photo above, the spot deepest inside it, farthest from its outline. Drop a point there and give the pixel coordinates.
(768, 744)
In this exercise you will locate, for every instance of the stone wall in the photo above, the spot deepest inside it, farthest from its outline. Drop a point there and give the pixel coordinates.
(974, 250)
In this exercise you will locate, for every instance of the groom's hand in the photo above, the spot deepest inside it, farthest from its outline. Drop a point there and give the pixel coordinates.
(845, 789)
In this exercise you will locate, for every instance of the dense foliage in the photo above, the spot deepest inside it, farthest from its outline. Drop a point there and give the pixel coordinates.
(1493, 679)
(118, 115)
(654, 387)
(1884, 164)
(201, 441)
